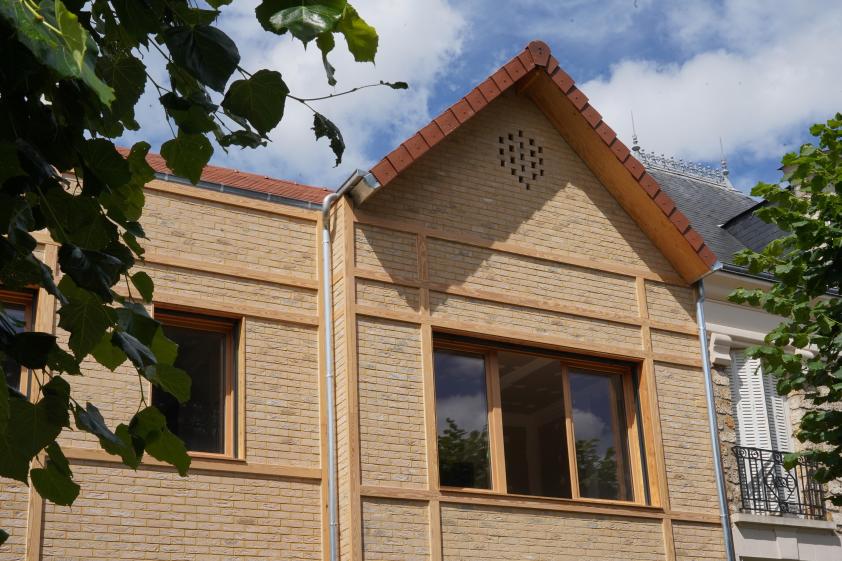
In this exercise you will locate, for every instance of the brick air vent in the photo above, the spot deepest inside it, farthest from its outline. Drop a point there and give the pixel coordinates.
(522, 156)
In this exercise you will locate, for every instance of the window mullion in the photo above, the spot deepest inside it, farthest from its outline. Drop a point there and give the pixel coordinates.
(495, 423)
(571, 442)
(635, 452)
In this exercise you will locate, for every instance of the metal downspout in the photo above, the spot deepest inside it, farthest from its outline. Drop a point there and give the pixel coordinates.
(724, 513)
(327, 299)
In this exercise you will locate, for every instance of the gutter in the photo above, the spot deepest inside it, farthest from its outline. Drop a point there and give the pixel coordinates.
(713, 426)
(357, 178)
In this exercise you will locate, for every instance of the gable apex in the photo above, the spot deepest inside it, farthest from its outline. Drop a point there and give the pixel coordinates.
(535, 73)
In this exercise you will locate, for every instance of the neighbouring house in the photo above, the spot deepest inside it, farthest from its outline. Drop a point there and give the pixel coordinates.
(777, 514)
(512, 333)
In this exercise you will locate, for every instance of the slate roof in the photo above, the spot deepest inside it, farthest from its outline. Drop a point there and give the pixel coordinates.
(724, 217)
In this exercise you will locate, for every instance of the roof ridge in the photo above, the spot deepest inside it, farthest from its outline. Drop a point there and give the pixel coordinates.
(537, 57)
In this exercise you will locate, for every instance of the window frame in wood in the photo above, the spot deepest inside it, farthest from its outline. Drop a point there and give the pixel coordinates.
(489, 351)
(230, 328)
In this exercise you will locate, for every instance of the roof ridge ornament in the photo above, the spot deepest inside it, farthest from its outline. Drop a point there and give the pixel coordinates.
(696, 170)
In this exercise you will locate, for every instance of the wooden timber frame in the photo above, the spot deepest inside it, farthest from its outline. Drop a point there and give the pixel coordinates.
(434, 496)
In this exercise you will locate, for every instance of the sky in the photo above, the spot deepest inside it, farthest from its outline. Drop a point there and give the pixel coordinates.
(752, 75)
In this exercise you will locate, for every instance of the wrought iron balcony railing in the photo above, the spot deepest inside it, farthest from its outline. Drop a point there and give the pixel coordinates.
(767, 487)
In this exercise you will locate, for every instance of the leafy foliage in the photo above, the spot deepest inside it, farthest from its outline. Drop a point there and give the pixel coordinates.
(71, 75)
(464, 456)
(807, 266)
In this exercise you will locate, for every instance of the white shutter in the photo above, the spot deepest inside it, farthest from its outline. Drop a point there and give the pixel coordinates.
(749, 401)
(776, 408)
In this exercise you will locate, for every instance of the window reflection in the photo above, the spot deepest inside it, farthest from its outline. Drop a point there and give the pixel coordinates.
(10, 367)
(201, 421)
(601, 445)
(534, 430)
(462, 420)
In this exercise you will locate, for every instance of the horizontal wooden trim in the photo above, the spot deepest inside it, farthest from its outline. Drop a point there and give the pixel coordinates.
(232, 200)
(179, 262)
(490, 498)
(222, 466)
(527, 302)
(414, 227)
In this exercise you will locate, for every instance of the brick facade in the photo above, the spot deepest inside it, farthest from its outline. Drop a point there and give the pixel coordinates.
(455, 243)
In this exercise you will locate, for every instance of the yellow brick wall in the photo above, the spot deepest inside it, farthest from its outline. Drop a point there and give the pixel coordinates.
(695, 542)
(219, 233)
(388, 296)
(684, 425)
(669, 302)
(381, 249)
(282, 394)
(395, 530)
(460, 186)
(157, 516)
(392, 439)
(531, 320)
(492, 534)
(14, 498)
(679, 344)
(477, 268)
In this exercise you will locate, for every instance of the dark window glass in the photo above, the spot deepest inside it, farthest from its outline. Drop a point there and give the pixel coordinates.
(201, 421)
(534, 429)
(599, 428)
(10, 367)
(462, 419)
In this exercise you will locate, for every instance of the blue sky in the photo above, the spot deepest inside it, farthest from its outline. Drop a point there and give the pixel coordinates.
(754, 73)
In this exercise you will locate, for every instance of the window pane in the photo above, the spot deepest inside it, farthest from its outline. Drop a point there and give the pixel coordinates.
(534, 430)
(600, 429)
(10, 367)
(201, 421)
(462, 419)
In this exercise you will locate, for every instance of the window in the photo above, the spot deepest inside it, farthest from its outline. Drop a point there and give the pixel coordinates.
(553, 426)
(18, 307)
(205, 351)
(761, 414)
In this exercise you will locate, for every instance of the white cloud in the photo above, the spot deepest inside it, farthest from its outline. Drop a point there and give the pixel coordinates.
(468, 411)
(759, 75)
(417, 41)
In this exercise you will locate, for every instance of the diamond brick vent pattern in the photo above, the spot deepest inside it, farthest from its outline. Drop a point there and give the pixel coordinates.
(523, 157)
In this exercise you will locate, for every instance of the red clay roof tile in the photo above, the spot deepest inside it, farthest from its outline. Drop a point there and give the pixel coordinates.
(248, 181)
(416, 146)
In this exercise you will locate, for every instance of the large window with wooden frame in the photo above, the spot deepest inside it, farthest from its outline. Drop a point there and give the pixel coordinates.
(530, 422)
(206, 352)
(17, 307)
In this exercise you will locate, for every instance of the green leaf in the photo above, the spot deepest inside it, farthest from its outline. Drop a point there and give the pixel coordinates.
(396, 85)
(120, 444)
(246, 139)
(59, 360)
(325, 43)
(174, 381)
(304, 19)
(143, 283)
(9, 162)
(70, 53)
(165, 350)
(138, 353)
(76, 219)
(150, 426)
(57, 457)
(260, 99)
(362, 39)
(3, 536)
(84, 316)
(34, 427)
(187, 155)
(4, 402)
(102, 158)
(126, 74)
(108, 354)
(54, 485)
(218, 3)
(31, 349)
(189, 116)
(205, 52)
(91, 270)
(322, 126)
